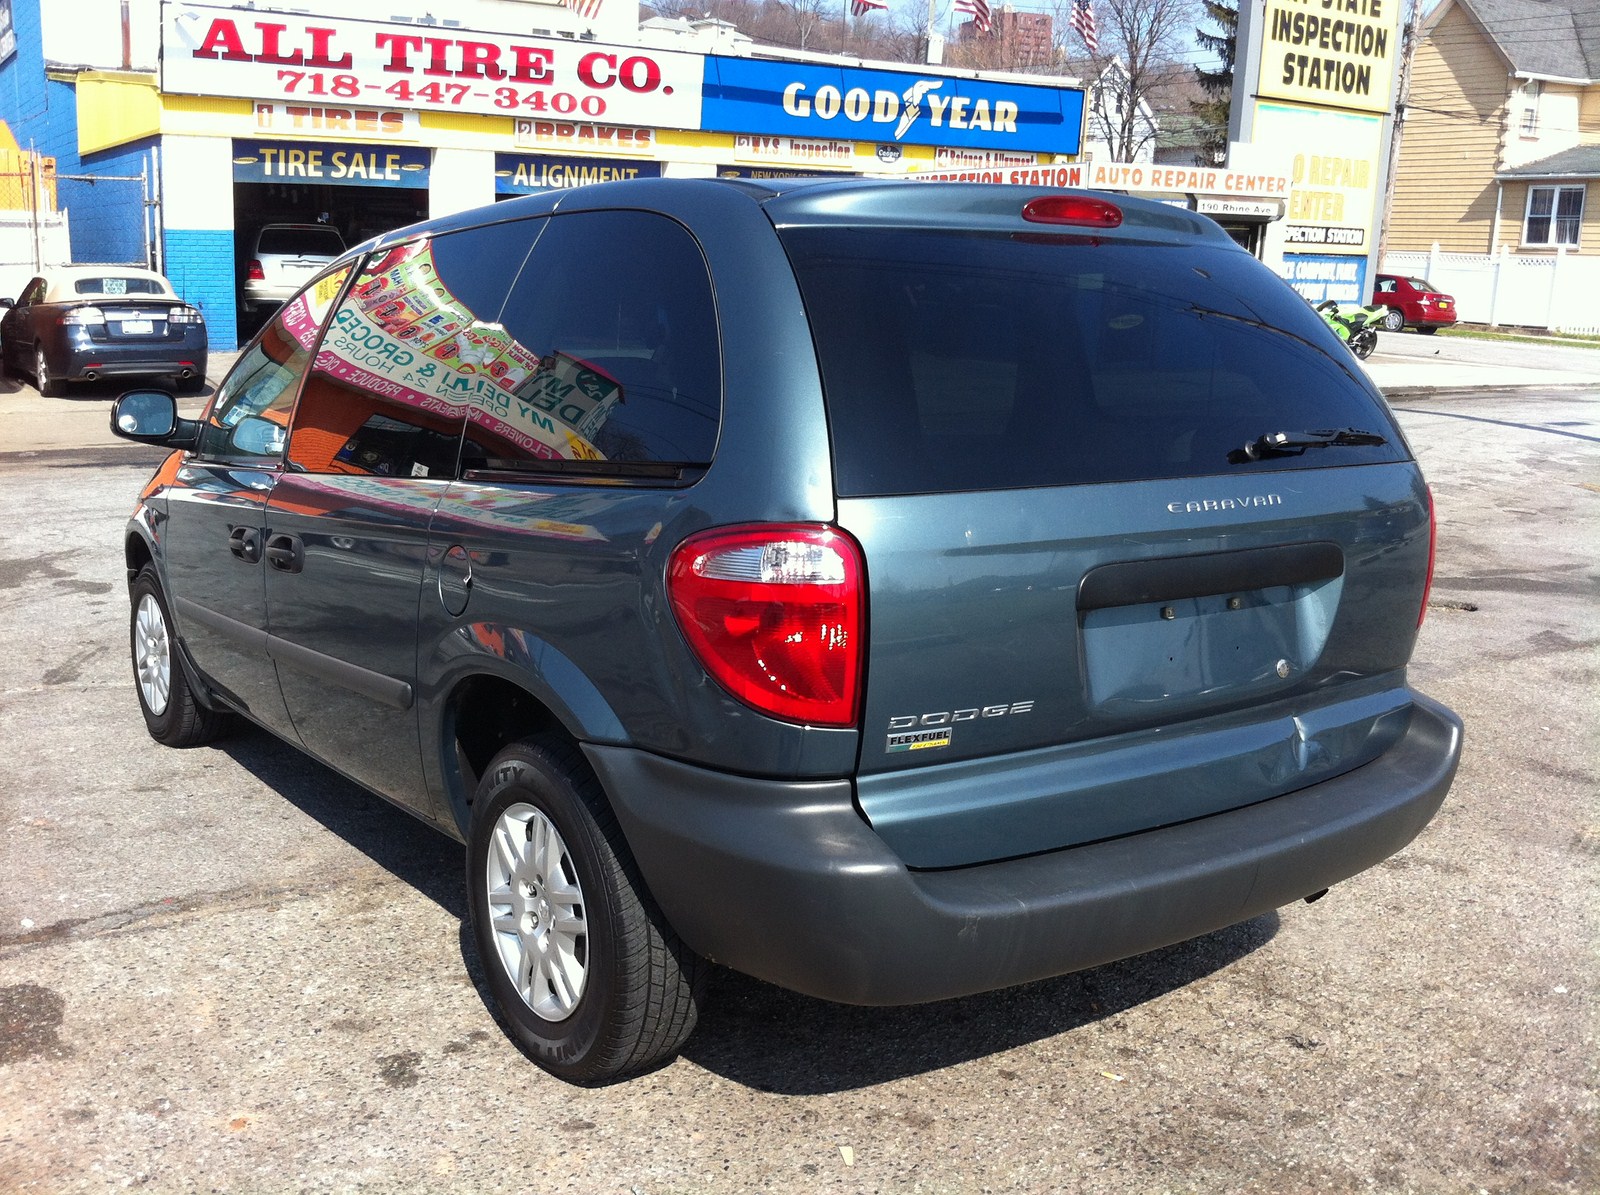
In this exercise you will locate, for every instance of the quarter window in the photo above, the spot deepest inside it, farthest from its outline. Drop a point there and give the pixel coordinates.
(249, 417)
(415, 345)
(1555, 216)
(614, 334)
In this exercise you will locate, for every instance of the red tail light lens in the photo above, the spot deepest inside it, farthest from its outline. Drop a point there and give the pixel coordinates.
(1072, 209)
(774, 615)
(254, 273)
(1433, 545)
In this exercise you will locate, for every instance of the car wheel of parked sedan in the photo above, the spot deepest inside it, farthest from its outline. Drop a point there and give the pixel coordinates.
(1427, 329)
(1394, 321)
(46, 382)
(171, 711)
(584, 972)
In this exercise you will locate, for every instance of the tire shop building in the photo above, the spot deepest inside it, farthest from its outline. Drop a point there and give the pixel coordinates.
(178, 130)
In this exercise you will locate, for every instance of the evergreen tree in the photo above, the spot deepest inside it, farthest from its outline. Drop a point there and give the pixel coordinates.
(1217, 85)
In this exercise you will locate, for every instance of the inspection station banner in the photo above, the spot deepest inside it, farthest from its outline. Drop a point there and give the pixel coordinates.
(823, 103)
(1333, 53)
(335, 61)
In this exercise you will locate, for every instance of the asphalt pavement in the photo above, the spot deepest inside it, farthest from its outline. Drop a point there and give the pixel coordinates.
(230, 969)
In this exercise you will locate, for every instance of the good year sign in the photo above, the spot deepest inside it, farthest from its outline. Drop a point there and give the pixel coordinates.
(283, 56)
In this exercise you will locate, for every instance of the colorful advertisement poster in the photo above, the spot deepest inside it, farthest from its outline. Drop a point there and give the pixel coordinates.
(824, 103)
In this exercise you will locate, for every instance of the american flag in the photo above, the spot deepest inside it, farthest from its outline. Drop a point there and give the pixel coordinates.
(587, 9)
(979, 10)
(861, 8)
(1082, 19)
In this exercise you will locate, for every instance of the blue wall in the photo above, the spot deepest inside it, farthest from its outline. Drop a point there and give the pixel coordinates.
(107, 218)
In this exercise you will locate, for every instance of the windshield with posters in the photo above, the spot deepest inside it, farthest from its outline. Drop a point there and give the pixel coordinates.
(957, 361)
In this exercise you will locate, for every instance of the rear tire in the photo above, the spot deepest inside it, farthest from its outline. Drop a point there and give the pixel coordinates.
(46, 382)
(171, 711)
(1363, 342)
(1427, 329)
(585, 974)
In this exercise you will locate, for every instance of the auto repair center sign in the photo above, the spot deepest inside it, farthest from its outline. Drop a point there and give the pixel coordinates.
(302, 59)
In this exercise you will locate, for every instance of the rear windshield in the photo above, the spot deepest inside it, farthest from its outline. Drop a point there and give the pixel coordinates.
(318, 242)
(974, 361)
(118, 285)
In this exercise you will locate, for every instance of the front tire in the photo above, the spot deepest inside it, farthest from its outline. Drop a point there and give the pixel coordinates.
(46, 382)
(1394, 321)
(585, 974)
(171, 711)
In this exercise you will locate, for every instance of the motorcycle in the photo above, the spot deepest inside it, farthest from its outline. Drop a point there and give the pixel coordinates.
(1358, 328)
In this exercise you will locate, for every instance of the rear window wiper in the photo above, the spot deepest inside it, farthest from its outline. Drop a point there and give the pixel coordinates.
(1295, 443)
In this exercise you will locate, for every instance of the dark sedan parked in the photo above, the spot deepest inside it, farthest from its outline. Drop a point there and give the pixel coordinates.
(79, 323)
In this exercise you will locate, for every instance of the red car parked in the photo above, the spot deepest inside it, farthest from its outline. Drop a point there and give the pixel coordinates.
(1413, 301)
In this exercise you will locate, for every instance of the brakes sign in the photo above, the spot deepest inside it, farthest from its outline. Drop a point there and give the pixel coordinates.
(315, 61)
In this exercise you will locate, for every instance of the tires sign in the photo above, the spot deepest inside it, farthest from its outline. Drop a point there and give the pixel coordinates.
(317, 61)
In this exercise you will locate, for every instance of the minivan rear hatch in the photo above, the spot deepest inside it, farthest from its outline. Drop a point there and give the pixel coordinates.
(1142, 543)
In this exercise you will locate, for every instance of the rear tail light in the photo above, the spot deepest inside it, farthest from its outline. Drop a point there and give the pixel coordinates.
(1072, 209)
(185, 315)
(85, 315)
(1433, 545)
(774, 614)
(253, 272)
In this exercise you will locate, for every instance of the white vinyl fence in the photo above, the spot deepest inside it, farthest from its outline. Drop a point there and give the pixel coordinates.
(1560, 291)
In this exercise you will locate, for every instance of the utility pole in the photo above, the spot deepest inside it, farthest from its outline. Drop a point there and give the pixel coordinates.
(1413, 28)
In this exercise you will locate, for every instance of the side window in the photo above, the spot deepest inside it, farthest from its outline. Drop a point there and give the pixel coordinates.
(249, 417)
(1386, 286)
(616, 363)
(31, 293)
(414, 345)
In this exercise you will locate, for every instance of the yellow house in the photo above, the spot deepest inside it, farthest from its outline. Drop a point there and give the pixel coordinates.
(1500, 150)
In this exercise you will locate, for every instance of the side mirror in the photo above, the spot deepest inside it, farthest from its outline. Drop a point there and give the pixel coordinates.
(151, 417)
(255, 436)
(8, 302)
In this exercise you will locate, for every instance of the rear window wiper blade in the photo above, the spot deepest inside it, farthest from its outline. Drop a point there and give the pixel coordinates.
(1295, 443)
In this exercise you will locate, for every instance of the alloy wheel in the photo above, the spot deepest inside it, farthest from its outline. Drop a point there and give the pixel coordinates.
(152, 655)
(536, 910)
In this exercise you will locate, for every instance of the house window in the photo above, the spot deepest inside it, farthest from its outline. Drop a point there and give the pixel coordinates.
(1555, 216)
(1531, 91)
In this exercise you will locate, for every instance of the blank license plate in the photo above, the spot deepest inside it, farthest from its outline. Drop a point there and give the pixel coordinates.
(135, 327)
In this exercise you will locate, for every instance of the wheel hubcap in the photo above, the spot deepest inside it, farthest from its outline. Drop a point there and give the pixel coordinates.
(152, 655)
(41, 371)
(536, 911)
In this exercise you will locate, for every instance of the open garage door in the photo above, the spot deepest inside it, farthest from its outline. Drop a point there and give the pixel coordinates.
(354, 189)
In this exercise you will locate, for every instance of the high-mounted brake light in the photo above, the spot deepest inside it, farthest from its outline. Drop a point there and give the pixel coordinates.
(1433, 545)
(774, 614)
(1072, 209)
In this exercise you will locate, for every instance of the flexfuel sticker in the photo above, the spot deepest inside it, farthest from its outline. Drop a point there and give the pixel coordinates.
(919, 740)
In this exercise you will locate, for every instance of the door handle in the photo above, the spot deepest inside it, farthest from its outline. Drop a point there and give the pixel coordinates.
(286, 553)
(245, 543)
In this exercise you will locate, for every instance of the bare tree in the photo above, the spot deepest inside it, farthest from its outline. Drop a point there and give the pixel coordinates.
(1145, 39)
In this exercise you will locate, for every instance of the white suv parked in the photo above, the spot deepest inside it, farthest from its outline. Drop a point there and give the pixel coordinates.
(285, 258)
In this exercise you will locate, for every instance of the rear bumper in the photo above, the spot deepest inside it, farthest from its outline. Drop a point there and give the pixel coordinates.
(82, 361)
(786, 882)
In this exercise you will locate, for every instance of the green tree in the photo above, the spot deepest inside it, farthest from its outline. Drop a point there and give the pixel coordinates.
(1213, 110)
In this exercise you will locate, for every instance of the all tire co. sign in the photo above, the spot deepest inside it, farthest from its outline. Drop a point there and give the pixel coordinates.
(309, 60)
